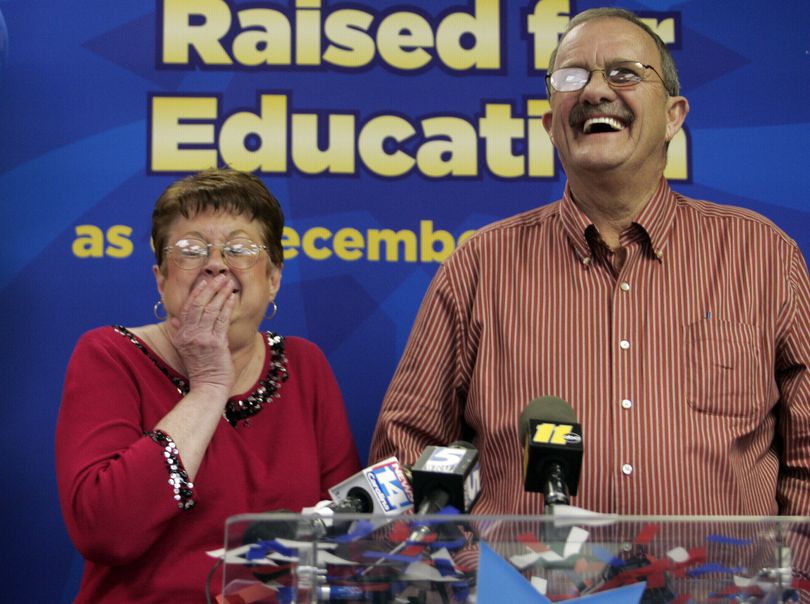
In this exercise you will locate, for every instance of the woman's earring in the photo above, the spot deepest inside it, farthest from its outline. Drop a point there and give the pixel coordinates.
(275, 310)
(156, 310)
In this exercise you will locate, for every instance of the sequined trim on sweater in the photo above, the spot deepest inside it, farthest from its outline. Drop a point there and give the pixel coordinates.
(241, 409)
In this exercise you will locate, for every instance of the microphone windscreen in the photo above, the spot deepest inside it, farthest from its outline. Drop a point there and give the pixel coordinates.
(551, 437)
(549, 409)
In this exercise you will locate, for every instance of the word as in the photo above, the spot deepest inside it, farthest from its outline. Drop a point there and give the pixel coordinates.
(92, 242)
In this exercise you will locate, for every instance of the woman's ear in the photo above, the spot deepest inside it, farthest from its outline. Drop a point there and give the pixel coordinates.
(274, 280)
(160, 279)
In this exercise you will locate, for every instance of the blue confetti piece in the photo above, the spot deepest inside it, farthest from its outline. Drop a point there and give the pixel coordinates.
(712, 567)
(281, 549)
(461, 591)
(393, 557)
(258, 551)
(449, 510)
(727, 540)
(451, 545)
(360, 530)
(445, 567)
(607, 557)
(263, 548)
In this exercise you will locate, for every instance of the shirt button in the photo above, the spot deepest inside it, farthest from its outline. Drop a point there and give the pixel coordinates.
(624, 344)
(627, 403)
(624, 286)
(627, 469)
(586, 260)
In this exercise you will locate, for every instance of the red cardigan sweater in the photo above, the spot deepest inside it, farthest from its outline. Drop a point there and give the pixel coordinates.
(113, 484)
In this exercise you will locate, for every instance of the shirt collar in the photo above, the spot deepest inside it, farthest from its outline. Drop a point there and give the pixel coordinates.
(655, 222)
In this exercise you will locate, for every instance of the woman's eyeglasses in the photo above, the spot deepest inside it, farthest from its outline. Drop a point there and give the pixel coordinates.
(239, 254)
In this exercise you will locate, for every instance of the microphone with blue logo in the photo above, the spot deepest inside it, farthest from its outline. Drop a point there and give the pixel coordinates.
(381, 488)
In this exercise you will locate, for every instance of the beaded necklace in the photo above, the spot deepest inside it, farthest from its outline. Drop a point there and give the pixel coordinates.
(236, 410)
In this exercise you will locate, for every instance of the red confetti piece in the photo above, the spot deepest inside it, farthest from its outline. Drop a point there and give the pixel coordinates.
(656, 581)
(412, 550)
(400, 531)
(647, 534)
(530, 541)
(730, 590)
(698, 555)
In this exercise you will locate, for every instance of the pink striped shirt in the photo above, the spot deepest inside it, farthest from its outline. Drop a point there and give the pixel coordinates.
(688, 370)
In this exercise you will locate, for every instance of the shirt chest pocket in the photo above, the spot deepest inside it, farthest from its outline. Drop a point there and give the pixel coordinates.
(724, 368)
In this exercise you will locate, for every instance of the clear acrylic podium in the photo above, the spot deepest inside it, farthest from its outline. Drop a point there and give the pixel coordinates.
(280, 558)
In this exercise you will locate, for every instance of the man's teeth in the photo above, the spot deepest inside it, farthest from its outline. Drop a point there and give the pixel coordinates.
(612, 123)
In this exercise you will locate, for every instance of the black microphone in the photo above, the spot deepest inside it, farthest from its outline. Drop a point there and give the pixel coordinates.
(552, 449)
(445, 476)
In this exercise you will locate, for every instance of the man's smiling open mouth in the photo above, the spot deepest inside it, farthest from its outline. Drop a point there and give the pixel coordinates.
(596, 125)
(602, 118)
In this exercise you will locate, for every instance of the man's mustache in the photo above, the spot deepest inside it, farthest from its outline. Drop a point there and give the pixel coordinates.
(582, 113)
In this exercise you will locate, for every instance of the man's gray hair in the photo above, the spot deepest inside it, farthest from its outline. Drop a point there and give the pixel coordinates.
(670, 73)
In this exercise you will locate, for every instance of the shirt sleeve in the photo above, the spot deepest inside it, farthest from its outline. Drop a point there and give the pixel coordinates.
(113, 480)
(424, 403)
(793, 378)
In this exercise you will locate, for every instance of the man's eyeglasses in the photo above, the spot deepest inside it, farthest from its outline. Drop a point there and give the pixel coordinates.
(618, 75)
(191, 253)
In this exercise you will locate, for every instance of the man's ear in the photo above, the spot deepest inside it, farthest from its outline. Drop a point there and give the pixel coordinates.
(677, 109)
(547, 121)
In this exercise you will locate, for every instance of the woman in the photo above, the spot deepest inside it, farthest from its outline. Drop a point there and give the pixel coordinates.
(166, 430)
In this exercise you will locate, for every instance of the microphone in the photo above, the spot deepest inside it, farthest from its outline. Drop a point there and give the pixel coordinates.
(552, 449)
(381, 488)
(445, 476)
(441, 476)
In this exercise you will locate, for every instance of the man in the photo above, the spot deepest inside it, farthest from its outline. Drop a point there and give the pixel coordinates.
(677, 329)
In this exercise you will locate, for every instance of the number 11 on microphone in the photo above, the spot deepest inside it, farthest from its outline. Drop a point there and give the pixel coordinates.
(554, 434)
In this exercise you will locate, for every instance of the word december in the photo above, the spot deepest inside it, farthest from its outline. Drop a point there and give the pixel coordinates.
(348, 244)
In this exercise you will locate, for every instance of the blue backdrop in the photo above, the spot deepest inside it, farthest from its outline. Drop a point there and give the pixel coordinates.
(387, 129)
